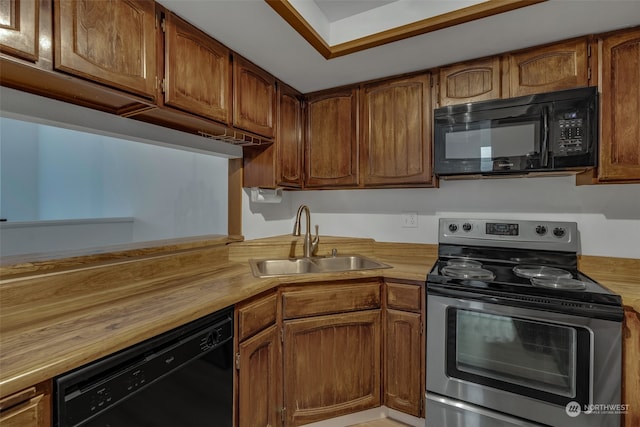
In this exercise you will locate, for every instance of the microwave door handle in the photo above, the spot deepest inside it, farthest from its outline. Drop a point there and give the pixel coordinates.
(544, 149)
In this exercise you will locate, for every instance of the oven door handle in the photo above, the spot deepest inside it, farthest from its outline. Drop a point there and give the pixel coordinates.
(598, 311)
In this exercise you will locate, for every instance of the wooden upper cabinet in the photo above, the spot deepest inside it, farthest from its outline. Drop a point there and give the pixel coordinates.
(289, 142)
(197, 71)
(279, 164)
(254, 98)
(620, 107)
(396, 132)
(470, 82)
(331, 157)
(19, 28)
(559, 66)
(110, 42)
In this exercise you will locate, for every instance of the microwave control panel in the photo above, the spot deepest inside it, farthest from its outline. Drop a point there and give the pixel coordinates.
(570, 135)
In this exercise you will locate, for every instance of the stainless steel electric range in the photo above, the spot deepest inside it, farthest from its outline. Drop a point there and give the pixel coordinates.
(516, 335)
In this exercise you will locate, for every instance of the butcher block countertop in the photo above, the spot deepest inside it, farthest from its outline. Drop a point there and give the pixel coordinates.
(56, 315)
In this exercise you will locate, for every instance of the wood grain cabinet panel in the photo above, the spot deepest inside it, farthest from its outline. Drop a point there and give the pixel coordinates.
(254, 98)
(19, 28)
(331, 366)
(28, 408)
(559, 66)
(331, 156)
(470, 82)
(404, 348)
(396, 132)
(197, 71)
(406, 297)
(258, 363)
(259, 402)
(403, 375)
(620, 107)
(331, 298)
(111, 42)
(255, 315)
(289, 143)
(279, 164)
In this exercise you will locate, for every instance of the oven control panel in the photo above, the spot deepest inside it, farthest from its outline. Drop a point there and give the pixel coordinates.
(526, 234)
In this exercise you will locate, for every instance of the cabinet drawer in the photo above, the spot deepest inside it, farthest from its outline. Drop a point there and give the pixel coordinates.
(401, 296)
(256, 315)
(314, 300)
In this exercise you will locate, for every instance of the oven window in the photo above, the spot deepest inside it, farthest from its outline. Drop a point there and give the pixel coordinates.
(543, 360)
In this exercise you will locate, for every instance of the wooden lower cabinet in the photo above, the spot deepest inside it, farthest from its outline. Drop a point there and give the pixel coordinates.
(258, 379)
(404, 348)
(258, 363)
(27, 408)
(331, 365)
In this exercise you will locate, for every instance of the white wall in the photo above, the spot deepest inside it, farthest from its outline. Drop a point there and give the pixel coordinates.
(608, 216)
(51, 173)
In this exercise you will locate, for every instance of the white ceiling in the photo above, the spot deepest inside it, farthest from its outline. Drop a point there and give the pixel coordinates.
(335, 10)
(253, 29)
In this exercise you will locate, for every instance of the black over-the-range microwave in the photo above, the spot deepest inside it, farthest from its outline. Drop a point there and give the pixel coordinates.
(555, 131)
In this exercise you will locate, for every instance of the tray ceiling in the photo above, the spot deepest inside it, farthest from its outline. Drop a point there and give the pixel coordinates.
(341, 27)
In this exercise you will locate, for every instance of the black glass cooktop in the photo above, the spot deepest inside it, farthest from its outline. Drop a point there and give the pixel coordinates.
(571, 286)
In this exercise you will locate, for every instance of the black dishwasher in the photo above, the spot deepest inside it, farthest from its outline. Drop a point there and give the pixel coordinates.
(183, 377)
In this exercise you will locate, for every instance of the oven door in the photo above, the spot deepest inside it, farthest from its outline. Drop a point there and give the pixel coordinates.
(531, 364)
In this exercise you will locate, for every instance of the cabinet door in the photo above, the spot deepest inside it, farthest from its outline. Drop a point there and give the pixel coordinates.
(19, 35)
(254, 98)
(289, 137)
(259, 403)
(255, 315)
(28, 408)
(331, 366)
(331, 157)
(560, 66)
(620, 108)
(470, 82)
(197, 71)
(396, 133)
(110, 42)
(403, 371)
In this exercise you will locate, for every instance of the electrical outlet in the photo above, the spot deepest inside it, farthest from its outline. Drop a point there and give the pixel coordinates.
(409, 220)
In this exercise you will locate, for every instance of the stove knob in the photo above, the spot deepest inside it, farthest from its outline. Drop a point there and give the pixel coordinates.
(453, 228)
(541, 230)
(559, 232)
(466, 226)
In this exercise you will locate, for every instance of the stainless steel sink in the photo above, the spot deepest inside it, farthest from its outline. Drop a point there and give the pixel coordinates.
(332, 264)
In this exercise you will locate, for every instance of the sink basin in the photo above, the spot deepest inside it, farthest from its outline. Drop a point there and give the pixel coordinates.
(347, 263)
(280, 267)
(289, 266)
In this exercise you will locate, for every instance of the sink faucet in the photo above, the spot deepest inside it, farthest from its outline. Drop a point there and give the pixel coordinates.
(310, 247)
